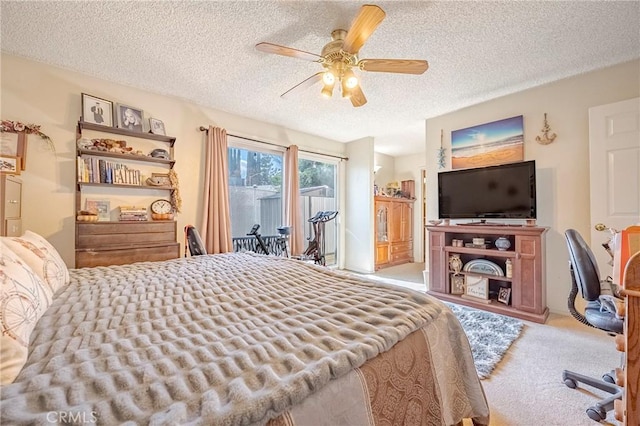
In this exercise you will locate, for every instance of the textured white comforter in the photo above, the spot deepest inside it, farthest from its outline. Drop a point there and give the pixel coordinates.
(219, 339)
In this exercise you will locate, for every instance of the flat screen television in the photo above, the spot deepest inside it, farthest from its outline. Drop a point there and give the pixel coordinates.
(506, 191)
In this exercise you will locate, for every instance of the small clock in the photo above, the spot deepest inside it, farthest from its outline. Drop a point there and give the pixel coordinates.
(161, 210)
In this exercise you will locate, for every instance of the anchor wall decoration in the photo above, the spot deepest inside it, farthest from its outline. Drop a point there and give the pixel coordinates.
(546, 138)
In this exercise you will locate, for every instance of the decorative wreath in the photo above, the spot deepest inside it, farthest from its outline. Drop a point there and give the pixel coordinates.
(31, 129)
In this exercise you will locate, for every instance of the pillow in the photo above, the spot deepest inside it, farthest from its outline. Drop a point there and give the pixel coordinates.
(42, 257)
(23, 299)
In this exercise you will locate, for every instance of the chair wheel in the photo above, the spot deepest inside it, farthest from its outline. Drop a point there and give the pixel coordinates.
(571, 383)
(597, 414)
(607, 377)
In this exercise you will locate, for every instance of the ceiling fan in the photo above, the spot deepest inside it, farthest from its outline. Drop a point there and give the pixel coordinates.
(339, 58)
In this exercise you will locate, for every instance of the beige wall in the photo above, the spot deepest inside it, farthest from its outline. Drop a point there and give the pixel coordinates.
(562, 167)
(37, 93)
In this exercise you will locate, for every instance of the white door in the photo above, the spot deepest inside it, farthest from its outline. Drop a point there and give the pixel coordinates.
(614, 154)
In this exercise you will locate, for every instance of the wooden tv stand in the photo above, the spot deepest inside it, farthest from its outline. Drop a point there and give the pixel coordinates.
(528, 290)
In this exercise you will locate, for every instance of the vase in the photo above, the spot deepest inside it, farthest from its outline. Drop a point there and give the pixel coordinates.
(503, 243)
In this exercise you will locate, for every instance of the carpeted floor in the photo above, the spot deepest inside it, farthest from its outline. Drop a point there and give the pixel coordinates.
(526, 388)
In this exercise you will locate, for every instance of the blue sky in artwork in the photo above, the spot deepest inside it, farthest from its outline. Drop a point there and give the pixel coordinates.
(487, 133)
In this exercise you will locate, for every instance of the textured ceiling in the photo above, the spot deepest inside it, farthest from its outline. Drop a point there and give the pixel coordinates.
(203, 51)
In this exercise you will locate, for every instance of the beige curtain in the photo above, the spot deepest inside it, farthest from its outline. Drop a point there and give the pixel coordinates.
(216, 219)
(292, 204)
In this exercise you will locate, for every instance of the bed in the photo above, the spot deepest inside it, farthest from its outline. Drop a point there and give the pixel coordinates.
(240, 338)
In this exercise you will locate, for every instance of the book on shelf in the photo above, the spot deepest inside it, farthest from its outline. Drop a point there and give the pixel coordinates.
(137, 218)
(95, 170)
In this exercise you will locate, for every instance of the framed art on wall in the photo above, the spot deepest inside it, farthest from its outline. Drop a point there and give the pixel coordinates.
(488, 144)
(9, 164)
(14, 144)
(130, 118)
(97, 110)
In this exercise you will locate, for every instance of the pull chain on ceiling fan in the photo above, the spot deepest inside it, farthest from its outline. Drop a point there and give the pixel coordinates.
(339, 58)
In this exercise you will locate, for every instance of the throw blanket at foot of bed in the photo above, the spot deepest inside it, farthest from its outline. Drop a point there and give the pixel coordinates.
(234, 339)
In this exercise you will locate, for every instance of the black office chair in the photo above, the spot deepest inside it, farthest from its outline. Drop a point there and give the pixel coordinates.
(599, 313)
(193, 242)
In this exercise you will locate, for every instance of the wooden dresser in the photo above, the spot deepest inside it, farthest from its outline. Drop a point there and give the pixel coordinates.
(393, 231)
(11, 208)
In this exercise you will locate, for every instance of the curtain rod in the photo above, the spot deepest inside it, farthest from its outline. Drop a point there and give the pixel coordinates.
(205, 129)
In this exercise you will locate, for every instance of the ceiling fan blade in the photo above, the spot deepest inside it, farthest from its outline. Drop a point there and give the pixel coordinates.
(357, 97)
(368, 19)
(304, 84)
(287, 51)
(403, 66)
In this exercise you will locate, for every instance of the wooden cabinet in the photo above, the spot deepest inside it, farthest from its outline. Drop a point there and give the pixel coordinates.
(116, 242)
(526, 253)
(393, 231)
(11, 209)
(628, 409)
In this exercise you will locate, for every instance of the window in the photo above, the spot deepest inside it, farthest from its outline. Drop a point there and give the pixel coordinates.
(318, 180)
(255, 190)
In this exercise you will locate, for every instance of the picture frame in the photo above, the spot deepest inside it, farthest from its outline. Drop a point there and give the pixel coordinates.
(157, 127)
(130, 118)
(504, 294)
(14, 144)
(100, 207)
(488, 144)
(9, 164)
(476, 286)
(97, 110)
(457, 284)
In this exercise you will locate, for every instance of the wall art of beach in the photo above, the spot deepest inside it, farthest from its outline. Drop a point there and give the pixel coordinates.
(488, 144)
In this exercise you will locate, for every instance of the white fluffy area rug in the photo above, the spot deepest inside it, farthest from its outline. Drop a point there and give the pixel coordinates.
(490, 335)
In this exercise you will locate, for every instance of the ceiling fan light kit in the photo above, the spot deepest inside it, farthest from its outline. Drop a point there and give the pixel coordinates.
(339, 58)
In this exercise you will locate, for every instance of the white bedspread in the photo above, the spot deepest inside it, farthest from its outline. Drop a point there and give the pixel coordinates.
(223, 339)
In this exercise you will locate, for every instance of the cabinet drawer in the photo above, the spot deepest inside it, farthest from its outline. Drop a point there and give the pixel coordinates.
(97, 228)
(401, 247)
(12, 198)
(13, 227)
(402, 257)
(89, 258)
(123, 235)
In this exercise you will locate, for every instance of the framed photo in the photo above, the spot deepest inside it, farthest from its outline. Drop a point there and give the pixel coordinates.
(97, 110)
(157, 127)
(9, 164)
(100, 207)
(457, 284)
(129, 118)
(504, 294)
(14, 145)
